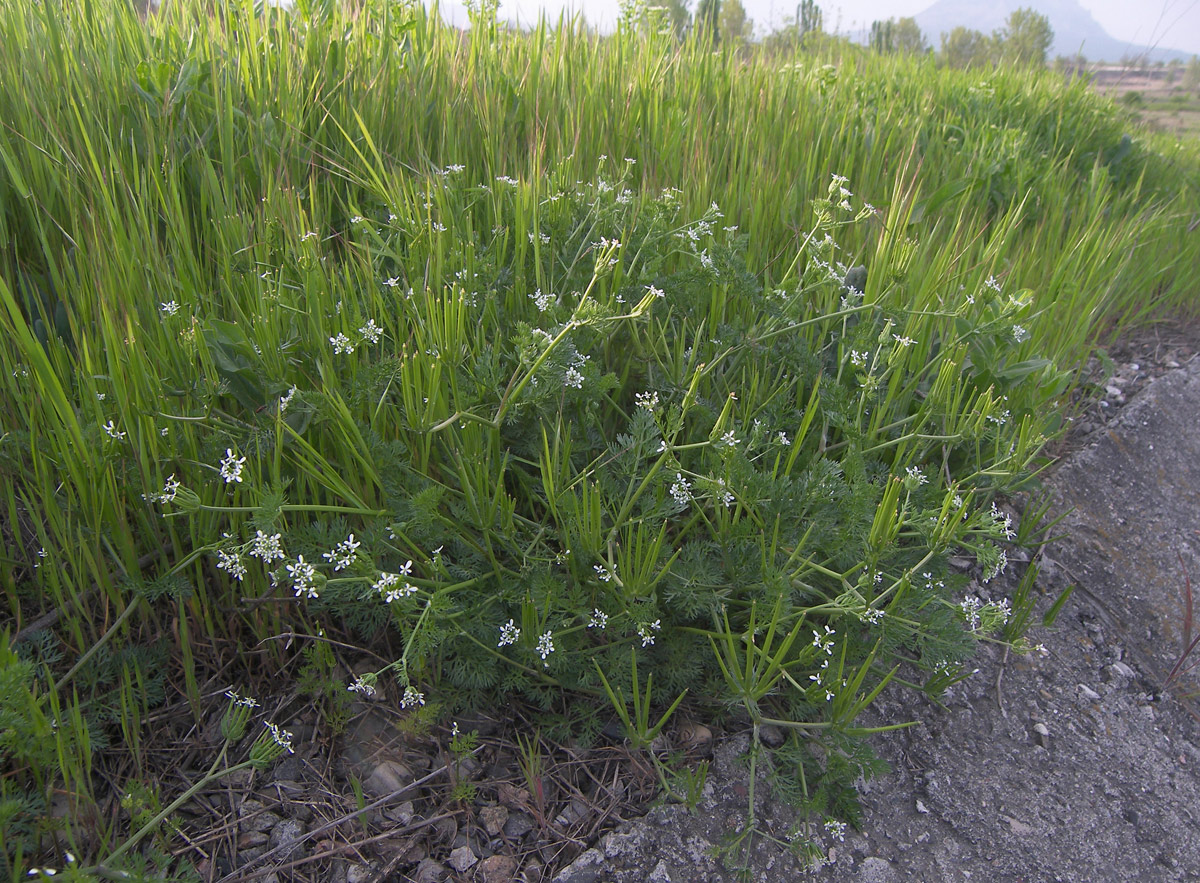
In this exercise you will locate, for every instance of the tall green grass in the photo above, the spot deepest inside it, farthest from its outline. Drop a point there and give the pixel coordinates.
(283, 178)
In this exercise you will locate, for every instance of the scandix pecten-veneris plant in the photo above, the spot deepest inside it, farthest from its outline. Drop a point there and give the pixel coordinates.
(549, 363)
(625, 472)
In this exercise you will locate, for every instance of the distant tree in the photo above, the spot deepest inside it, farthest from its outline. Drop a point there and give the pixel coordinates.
(903, 35)
(735, 28)
(1025, 38)
(708, 13)
(1191, 76)
(964, 47)
(681, 18)
(1071, 65)
(809, 18)
(909, 38)
(883, 36)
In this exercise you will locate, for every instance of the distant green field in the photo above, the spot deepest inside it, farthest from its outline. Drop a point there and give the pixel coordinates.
(551, 361)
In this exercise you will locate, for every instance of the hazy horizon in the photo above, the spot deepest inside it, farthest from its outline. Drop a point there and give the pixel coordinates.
(1164, 24)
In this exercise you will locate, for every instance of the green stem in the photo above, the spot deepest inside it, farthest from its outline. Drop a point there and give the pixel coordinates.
(183, 798)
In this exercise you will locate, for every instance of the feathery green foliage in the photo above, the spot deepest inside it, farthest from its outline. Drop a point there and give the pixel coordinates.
(536, 349)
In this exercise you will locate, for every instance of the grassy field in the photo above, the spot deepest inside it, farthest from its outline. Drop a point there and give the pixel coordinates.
(1162, 104)
(553, 362)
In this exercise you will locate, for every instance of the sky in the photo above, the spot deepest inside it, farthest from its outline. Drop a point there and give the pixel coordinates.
(1173, 24)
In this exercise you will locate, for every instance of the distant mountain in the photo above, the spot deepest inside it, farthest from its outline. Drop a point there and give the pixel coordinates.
(1074, 28)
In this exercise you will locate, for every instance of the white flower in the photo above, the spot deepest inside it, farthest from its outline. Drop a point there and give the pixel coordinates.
(598, 620)
(646, 631)
(573, 378)
(344, 553)
(903, 341)
(824, 641)
(357, 219)
(302, 574)
(857, 359)
(728, 439)
(170, 307)
(724, 493)
(341, 344)
(647, 400)
(231, 467)
(992, 284)
(545, 644)
(267, 547)
(281, 737)
(169, 489)
(388, 585)
(657, 292)
(1020, 334)
(392, 281)
(111, 428)
(603, 572)
(231, 563)
(681, 490)
(542, 300)
(1003, 522)
(970, 610)
(247, 701)
(993, 571)
(286, 400)
(509, 633)
(783, 439)
(915, 473)
(873, 615)
(836, 829)
(412, 697)
(360, 685)
(371, 331)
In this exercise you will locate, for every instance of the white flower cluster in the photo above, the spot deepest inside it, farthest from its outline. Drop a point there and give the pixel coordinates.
(267, 548)
(646, 400)
(303, 575)
(231, 467)
(681, 491)
(824, 641)
(509, 634)
(647, 630)
(344, 553)
(231, 563)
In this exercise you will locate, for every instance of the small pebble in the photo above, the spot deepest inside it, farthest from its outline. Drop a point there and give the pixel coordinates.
(1088, 693)
(462, 858)
(493, 818)
(497, 869)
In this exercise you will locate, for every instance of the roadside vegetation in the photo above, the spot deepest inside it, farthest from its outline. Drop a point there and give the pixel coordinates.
(597, 374)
